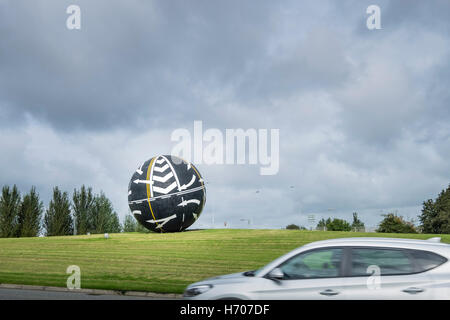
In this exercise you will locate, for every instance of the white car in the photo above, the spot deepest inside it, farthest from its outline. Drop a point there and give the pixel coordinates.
(349, 268)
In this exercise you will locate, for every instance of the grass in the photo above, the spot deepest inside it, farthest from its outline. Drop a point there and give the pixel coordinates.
(164, 263)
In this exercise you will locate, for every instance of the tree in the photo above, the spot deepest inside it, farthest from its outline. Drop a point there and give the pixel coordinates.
(333, 225)
(435, 217)
(83, 201)
(129, 224)
(392, 223)
(114, 224)
(58, 220)
(338, 225)
(30, 214)
(293, 227)
(9, 211)
(321, 225)
(357, 225)
(102, 216)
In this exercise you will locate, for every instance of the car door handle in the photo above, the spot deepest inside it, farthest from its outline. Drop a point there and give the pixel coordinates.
(413, 290)
(329, 292)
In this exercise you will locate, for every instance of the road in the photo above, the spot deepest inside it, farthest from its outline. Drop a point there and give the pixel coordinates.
(27, 294)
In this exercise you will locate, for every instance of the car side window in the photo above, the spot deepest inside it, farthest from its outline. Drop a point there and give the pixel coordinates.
(426, 260)
(390, 262)
(320, 263)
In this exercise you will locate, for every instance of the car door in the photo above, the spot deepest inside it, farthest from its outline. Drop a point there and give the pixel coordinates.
(313, 274)
(433, 275)
(383, 273)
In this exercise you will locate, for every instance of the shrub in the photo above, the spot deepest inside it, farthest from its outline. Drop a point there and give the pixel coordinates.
(338, 225)
(393, 223)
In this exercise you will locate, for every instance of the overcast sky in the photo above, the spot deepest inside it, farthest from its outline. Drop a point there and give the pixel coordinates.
(364, 115)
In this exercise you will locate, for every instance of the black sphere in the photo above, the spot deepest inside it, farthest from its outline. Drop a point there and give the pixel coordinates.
(166, 194)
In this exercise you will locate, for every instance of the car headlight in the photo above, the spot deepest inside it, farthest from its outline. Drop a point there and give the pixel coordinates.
(196, 290)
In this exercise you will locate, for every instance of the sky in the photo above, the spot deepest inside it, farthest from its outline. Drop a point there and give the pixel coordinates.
(363, 115)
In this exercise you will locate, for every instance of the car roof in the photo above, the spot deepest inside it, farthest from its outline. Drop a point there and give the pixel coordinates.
(432, 245)
(379, 241)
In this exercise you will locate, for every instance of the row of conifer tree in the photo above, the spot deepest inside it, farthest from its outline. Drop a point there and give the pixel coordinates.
(86, 212)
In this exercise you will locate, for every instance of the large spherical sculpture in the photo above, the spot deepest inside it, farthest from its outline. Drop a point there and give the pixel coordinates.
(166, 194)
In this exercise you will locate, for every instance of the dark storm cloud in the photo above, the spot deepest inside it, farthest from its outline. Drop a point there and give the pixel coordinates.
(363, 115)
(129, 62)
(430, 15)
(315, 63)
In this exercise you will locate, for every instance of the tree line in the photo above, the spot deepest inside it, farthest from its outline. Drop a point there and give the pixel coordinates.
(335, 224)
(434, 219)
(86, 212)
(341, 224)
(392, 223)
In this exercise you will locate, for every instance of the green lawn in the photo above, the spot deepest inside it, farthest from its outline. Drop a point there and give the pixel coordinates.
(152, 262)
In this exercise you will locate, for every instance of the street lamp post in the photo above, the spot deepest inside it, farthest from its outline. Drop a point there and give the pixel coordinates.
(311, 220)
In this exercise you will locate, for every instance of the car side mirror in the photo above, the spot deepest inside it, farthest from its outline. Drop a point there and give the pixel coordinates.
(276, 274)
